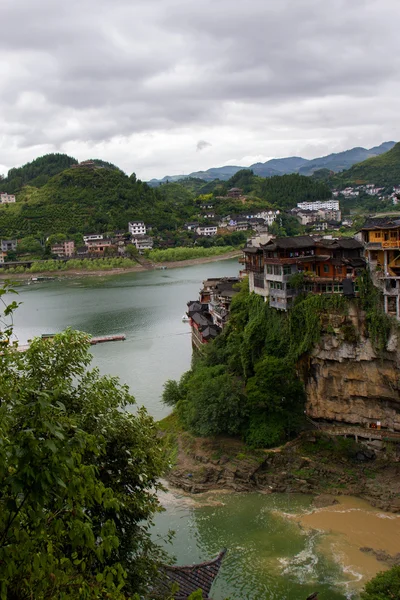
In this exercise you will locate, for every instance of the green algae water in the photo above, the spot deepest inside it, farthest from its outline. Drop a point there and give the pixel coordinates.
(271, 556)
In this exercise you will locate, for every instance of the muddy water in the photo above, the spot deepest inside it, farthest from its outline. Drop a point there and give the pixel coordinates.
(350, 525)
(279, 547)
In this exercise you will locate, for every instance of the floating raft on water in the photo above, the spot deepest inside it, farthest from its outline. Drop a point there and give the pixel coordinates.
(118, 337)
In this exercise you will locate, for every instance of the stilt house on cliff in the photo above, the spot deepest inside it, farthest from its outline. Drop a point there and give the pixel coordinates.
(381, 237)
(326, 266)
(209, 314)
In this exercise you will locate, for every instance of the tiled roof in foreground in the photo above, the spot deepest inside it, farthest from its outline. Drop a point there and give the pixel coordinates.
(189, 578)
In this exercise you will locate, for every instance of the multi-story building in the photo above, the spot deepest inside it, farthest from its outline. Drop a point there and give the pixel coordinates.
(143, 242)
(209, 230)
(8, 245)
(325, 264)
(209, 314)
(64, 249)
(98, 247)
(325, 204)
(234, 192)
(92, 237)
(137, 228)
(381, 237)
(6, 198)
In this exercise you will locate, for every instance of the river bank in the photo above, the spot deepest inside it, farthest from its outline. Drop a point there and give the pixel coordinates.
(311, 464)
(118, 271)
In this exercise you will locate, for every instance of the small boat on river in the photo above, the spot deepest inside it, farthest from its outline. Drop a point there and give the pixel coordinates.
(185, 319)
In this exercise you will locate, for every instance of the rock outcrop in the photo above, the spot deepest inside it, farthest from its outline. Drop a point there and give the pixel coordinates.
(347, 381)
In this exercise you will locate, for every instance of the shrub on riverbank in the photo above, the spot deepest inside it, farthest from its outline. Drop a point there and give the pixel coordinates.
(86, 264)
(176, 254)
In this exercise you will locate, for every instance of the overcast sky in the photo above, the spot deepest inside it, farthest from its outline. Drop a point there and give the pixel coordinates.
(164, 87)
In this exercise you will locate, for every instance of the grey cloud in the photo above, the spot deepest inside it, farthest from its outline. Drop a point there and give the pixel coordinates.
(202, 144)
(88, 71)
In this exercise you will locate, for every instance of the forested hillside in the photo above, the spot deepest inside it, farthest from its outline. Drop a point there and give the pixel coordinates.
(36, 173)
(83, 200)
(383, 170)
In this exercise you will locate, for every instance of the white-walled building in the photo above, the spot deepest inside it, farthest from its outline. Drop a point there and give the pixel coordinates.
(324, 204)
(137, 228)
(6, 198)
(207, 230)
(7, 245)
(92, 237)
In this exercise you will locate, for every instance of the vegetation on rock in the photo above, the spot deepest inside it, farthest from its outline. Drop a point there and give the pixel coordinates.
(247, 382)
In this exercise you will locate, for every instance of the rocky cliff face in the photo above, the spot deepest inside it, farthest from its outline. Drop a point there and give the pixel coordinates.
(347, 381)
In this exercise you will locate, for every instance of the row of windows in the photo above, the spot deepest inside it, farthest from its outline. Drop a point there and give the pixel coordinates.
(377, 235)
(274, 270)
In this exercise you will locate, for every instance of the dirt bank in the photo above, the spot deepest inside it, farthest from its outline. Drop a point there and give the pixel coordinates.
(305, 465)
(135, 269)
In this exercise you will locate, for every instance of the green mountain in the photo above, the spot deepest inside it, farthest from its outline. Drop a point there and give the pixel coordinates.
(77, 200)
(36, 173)
(286, 166)
(383, 170)
(101, 198)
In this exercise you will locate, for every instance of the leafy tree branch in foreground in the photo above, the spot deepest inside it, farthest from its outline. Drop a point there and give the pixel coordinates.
(78, 476)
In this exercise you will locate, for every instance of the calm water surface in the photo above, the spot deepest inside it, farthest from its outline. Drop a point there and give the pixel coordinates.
(147, 307)
(275, 552)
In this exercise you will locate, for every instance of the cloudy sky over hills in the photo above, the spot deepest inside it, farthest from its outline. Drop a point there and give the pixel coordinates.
(169, 86)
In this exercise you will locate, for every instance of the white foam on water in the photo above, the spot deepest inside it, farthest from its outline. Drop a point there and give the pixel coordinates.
(302, 566)
(386, 516)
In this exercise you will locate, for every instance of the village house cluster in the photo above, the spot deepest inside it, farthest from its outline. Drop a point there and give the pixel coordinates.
(283, 267)
(326, 265)
(98, 244)
(322, 214)
(370, 189)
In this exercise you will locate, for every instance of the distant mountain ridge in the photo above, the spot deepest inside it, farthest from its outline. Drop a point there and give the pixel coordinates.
(285, 166)
(382, 170)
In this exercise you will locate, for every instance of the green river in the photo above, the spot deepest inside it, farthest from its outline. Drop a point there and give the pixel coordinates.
(275, 549)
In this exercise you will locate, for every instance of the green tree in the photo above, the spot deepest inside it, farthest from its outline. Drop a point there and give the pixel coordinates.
(385, 586)
(214, 402)
(131, 250)
(78, 476)
(29, 245)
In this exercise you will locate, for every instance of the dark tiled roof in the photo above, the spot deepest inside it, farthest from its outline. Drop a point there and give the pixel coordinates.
(189, 579)
(200, 320)
(228, 293)
(378, 222)
(299, 241)
(345, 243)
(209, 332)
(252, 250)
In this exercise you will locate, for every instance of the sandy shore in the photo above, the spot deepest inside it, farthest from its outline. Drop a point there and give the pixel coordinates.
(136, 269)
